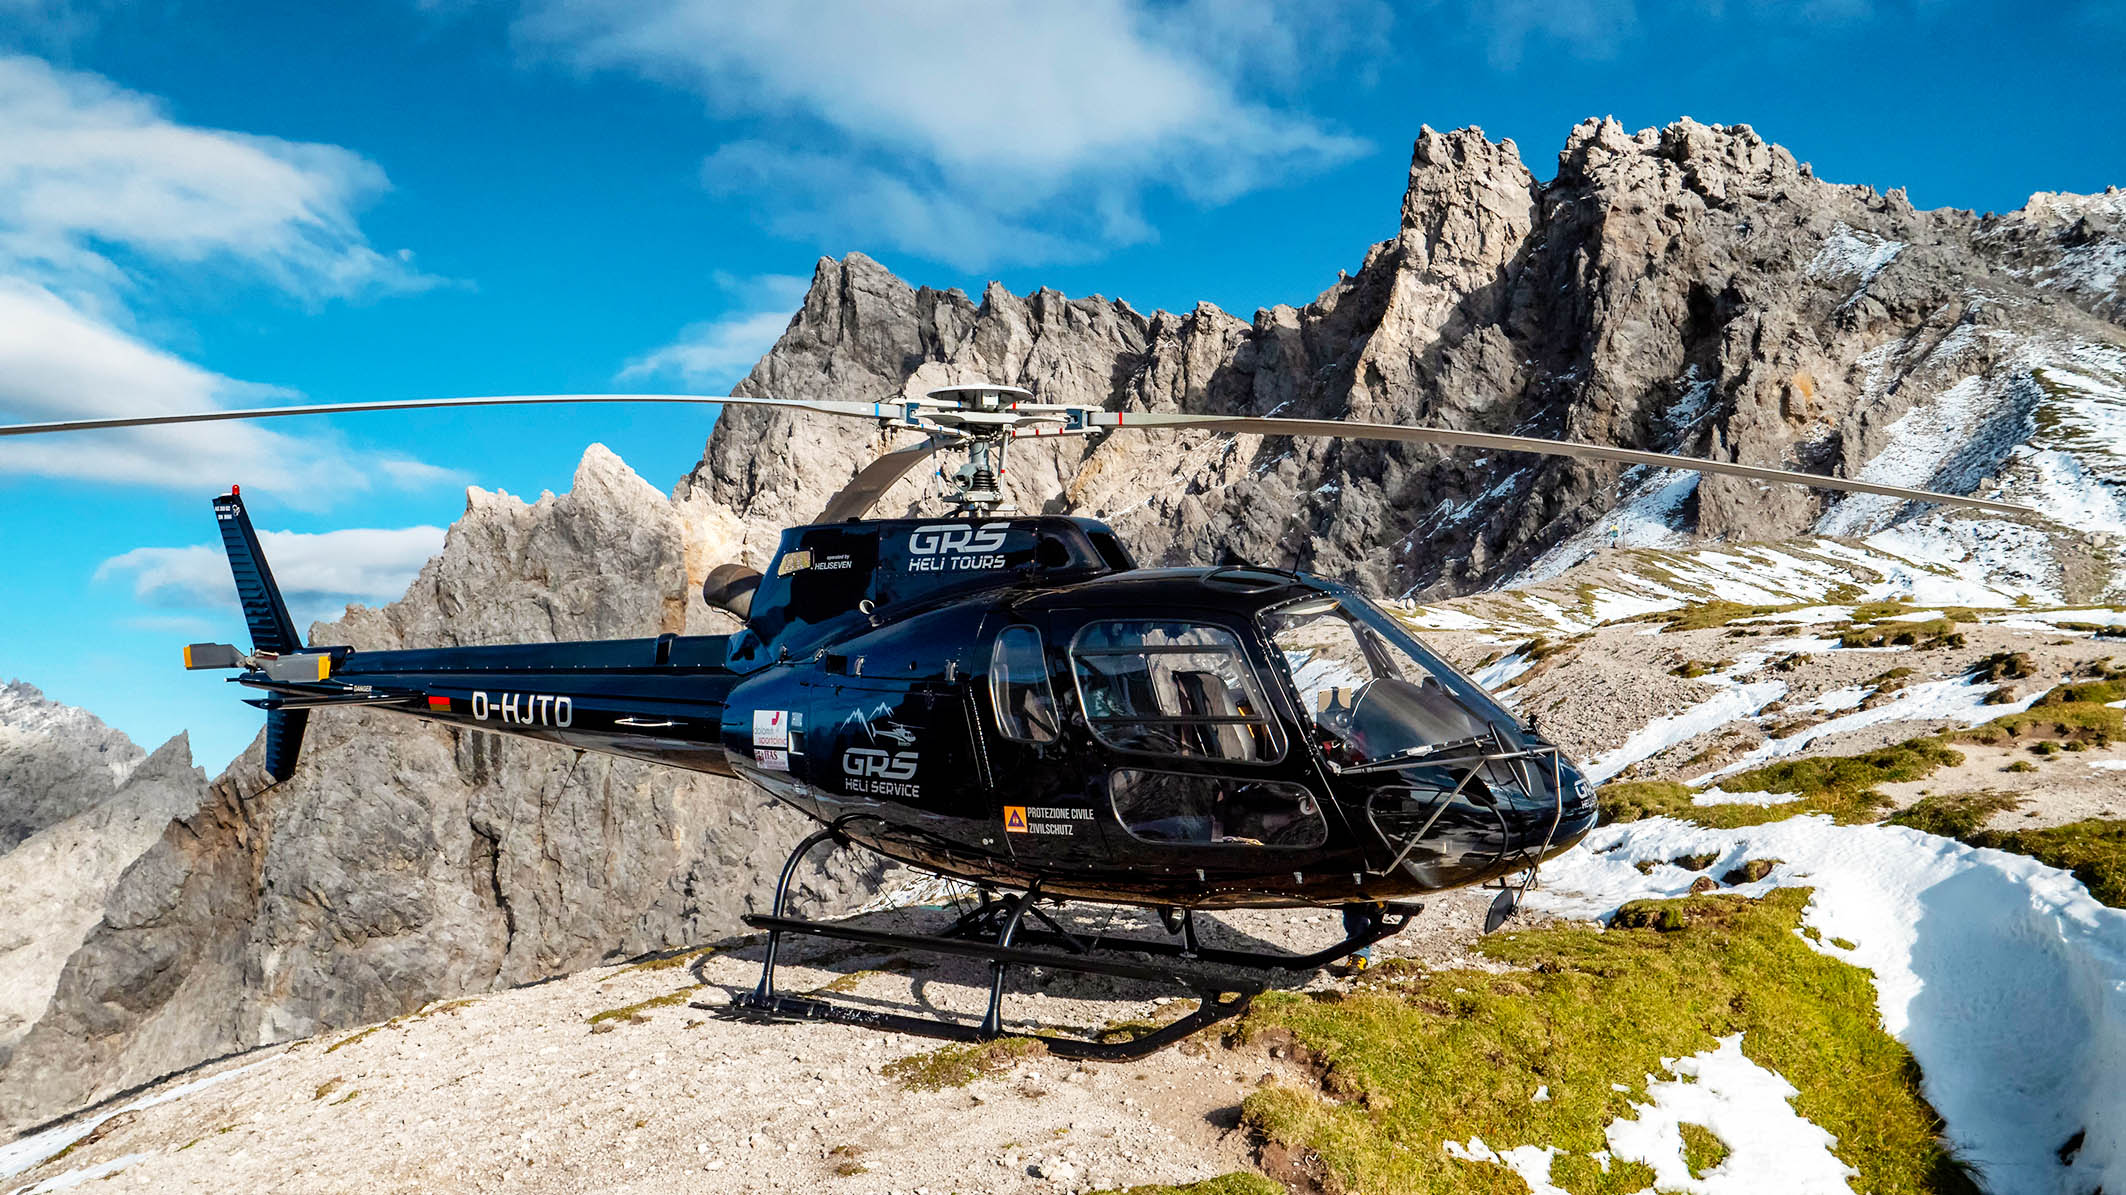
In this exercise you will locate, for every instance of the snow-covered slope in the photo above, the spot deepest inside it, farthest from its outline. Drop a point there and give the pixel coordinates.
(2003, 976)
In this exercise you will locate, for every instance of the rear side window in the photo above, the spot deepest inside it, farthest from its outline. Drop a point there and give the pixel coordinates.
(1215, 811)
(1019, 688)
(1172, 688)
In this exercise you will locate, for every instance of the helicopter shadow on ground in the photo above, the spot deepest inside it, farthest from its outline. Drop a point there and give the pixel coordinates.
(955, 989)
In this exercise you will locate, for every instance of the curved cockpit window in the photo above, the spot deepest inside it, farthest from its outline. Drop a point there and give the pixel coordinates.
(1019, 688)
(1167, 807)
(1367, 696)
(1172, 688)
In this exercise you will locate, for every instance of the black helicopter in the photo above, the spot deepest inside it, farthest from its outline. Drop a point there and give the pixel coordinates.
(1011, 701)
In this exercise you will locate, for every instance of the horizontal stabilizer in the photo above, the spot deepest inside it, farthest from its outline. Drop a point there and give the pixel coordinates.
(302, 666)
(213, 655)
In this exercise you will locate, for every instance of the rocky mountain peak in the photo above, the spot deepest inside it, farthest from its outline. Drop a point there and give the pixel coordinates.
(55, 761)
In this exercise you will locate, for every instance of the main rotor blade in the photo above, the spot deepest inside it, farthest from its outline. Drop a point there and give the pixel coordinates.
(863, 410)
(1270, 426)
(871, 482)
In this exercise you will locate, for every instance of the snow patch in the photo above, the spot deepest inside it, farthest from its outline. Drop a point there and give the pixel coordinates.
(1848, 252)
(1771, 1146)
(76, 1177)
(1649, 514)
(1440, 618)
(24, 1152)
(1840, 699)
(1947, 443)
(2102, 616)
(1720, 796)
(1731, 703)
(1959, 701)
(2004, 977)
(1500, 672)
(1530, 1162)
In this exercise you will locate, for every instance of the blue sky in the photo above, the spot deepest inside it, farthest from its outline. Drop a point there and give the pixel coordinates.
(235, 203)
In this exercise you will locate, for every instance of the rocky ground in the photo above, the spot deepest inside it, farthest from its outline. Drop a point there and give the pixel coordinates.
(524, 1091)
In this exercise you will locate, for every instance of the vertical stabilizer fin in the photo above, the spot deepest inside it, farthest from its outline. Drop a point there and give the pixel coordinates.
(272, 630)
(284, 741)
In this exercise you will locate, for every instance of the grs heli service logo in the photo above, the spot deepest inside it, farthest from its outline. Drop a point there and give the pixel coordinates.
(956, 547)
(884, 767)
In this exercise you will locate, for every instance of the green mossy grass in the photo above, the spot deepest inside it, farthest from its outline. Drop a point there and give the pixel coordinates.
(1415, 1059)
(639, 1010)
(957, 1066)
(1693, 669)
(1702, 616)
(1702, 1148)
(665, 962)
(2094, 849)
(1953, 815)
(1939, 632)
(1841, 785)
(2076, 712)
(1237, 1183)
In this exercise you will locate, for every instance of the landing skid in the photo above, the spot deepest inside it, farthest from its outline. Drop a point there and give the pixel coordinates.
(991, 933)
(1393, 920)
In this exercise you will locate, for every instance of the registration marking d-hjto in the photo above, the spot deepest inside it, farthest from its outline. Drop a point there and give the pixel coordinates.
(524, 709)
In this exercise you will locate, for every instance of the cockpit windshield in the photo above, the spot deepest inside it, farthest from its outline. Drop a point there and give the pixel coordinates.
(1368, 696)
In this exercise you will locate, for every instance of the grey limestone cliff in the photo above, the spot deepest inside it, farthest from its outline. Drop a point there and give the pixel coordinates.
(1689, 289)
(55, 761)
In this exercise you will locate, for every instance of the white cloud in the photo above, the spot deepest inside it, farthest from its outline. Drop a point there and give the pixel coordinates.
(88, 169)
(57, 362)
(1590, 28)
(100, 192)
(319, 574)
(718, 352)
(823, 196)
(1032, 128)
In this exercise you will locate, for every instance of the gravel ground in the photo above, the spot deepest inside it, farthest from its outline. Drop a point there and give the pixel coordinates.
(517, 1091)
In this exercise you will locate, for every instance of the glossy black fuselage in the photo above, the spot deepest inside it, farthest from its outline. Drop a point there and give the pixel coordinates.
(862, 692)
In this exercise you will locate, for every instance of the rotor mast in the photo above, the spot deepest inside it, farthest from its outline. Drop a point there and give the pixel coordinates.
(984, 415)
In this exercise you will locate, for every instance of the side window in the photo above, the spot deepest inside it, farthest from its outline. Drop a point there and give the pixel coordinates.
(1018, 686)
(1213, 811)
(1172, 688)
